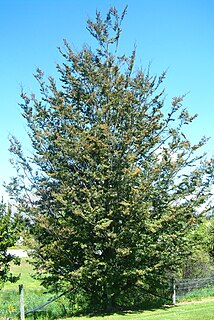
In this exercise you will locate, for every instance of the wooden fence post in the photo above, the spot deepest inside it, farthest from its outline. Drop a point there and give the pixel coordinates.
(173, 291)
(21, 302)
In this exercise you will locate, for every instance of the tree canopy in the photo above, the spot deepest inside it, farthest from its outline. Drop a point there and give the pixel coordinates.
(9, 234)
(113, 185)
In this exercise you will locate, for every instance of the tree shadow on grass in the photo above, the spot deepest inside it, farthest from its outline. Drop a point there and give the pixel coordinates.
(128, 310)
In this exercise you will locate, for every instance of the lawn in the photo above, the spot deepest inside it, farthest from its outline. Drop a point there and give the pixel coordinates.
(34, 297)
(34, 294)
(26, 271)
(194, 311)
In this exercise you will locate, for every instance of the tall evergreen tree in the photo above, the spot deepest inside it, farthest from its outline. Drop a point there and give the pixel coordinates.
(114, 184)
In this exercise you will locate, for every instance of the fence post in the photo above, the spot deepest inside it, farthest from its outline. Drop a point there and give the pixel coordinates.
(21, 302)
(173, 291)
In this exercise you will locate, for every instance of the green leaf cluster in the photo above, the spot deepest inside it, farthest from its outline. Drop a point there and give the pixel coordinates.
(200, 263)
(9, 234)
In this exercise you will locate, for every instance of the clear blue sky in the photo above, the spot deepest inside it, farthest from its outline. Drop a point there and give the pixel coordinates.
(173, 34)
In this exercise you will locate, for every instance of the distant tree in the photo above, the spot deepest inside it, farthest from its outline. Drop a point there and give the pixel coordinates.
(201, 261)
(114, 184)
(9, 234)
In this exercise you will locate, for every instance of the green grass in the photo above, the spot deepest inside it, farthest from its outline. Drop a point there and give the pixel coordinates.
(26, 271)
(34, 296)
(195, 311)
(197, 294)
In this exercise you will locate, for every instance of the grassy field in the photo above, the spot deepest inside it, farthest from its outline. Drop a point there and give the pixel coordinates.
(35, 296)
(193, 311)
(26, 271)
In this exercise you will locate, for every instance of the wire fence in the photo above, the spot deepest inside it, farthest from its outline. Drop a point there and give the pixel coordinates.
(185, 286)
(46, 303)
(22, 312)
(176, 289)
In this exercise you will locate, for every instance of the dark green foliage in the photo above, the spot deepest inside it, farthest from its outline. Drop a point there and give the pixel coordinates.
(9, 234)
(114, 184)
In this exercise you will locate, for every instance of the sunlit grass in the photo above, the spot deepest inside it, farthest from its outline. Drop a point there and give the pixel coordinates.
(34, 296)
(25, 270)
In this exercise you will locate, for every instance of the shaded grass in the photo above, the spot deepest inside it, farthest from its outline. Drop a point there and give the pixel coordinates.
(195, 311)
